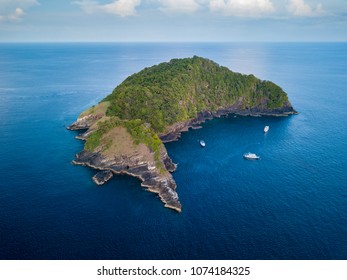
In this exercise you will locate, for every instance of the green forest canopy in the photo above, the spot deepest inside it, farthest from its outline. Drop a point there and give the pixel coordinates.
(176, 91)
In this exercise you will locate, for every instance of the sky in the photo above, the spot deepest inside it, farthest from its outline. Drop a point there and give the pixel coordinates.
(173, 20)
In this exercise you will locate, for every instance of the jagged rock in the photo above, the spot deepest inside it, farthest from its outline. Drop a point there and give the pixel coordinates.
(151, 178)
(102, 177)
(84, 122)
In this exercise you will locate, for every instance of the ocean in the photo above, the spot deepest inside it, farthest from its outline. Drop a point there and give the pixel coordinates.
(291, 204)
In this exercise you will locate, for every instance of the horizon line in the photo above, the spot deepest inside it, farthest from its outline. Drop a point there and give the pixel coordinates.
(163, 42)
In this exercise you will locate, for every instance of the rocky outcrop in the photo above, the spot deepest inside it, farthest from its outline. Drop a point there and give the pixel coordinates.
(84, 122)
(155, 181)
(102, 177)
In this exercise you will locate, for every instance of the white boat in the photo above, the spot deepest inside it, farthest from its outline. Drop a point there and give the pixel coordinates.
(266, 128)
(251, 156)
(202, 143)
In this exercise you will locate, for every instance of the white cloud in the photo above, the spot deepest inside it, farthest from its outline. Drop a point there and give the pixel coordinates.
(17, 14)
(13, 10)
(301, 9)
(121, 8)
(242, 8)
(179, 6)
(17, 3)
(236, 8)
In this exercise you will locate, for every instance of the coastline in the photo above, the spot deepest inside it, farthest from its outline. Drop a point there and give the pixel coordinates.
(133, 165)
(176, 129)
(151, 179)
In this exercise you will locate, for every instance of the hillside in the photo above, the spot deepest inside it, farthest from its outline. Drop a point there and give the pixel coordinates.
(126, 130)
(177, 91)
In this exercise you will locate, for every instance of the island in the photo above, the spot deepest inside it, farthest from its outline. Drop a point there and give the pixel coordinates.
(125, 132)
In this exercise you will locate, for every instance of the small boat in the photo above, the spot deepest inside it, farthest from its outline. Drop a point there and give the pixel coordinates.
(202, 143)
(251, 156)
(266, 128)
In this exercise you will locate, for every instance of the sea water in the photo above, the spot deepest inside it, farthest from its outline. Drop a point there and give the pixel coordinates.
(291, 204)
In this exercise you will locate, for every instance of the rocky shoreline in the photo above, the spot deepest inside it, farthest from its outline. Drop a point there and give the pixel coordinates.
(175, 130)
(135, 165)
(151, 178)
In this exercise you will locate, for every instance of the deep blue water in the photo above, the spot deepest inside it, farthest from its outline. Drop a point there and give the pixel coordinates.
(292, 204)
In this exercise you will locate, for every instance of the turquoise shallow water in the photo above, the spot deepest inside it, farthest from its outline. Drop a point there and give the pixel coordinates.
(291, 204)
